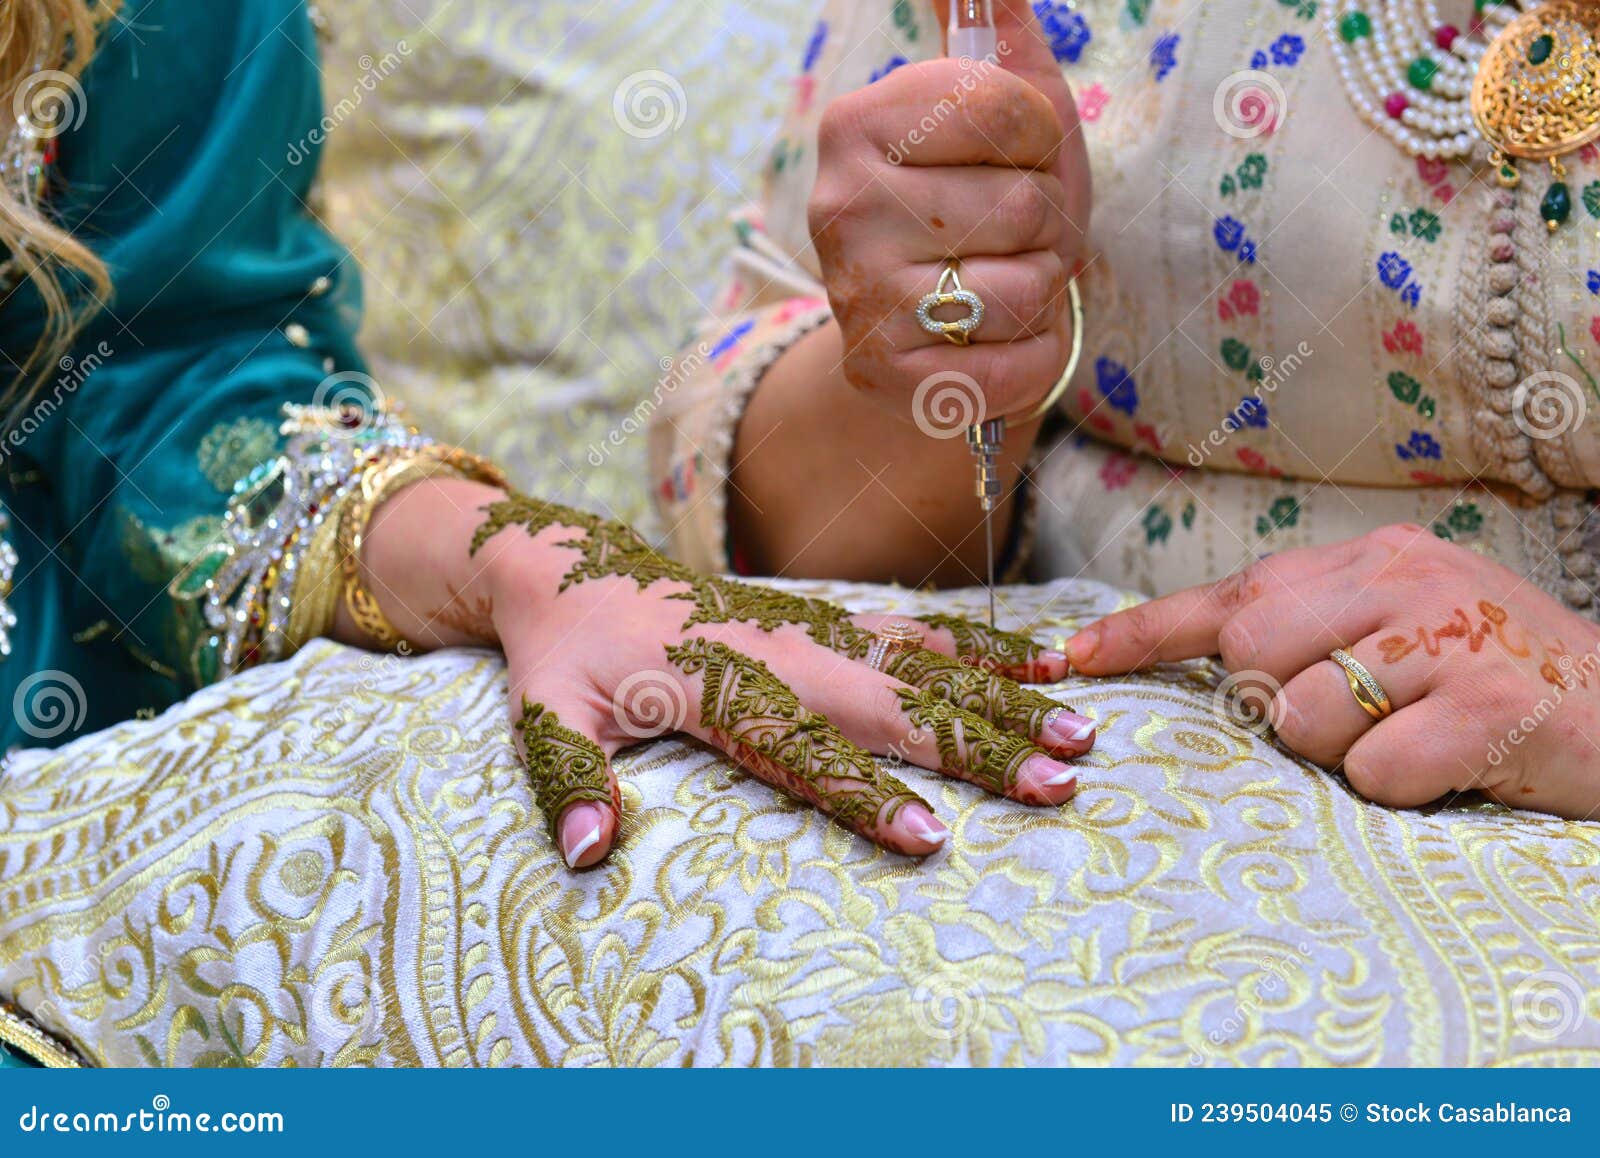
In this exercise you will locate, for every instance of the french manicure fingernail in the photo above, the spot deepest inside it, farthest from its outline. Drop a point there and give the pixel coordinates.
(1081, 647)
(1047, 773)
(923, 825)
(1066, 727)
(580, 831)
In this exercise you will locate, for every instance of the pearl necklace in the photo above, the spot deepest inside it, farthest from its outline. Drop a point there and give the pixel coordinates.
(1524, 81)
(1409, 74)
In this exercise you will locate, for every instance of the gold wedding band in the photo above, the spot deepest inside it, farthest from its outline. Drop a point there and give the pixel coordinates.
(949, 293)
(895, 639)
(1364, 685)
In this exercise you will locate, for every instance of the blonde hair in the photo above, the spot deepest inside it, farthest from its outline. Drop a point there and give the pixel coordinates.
(45, 36)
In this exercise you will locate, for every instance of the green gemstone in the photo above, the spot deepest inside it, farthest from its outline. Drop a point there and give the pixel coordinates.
(1557, 204)
(1539, 51)
(1421, 72)
(1353, 26)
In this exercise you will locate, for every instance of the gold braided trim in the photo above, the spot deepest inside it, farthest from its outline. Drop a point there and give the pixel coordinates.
(34, 1043)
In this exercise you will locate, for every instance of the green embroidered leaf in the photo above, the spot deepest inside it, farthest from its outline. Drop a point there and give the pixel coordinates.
(1397, 223)
(1227, 186)
(1235, 353)
(1157, 525)
(1252, 170)
(1425, 224)
(1466, 519)
(1188, 516)
(1591, 198)
(1404, 387)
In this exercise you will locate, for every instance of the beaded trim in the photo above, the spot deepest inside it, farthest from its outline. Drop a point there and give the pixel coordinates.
(244, 581)
(8, 570)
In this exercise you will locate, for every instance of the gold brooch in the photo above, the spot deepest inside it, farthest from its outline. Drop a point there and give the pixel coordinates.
(1536, 96)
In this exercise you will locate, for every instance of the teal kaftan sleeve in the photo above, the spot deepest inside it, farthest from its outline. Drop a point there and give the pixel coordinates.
(189, 174)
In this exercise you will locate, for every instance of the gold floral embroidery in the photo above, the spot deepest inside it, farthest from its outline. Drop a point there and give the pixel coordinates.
(231, 450)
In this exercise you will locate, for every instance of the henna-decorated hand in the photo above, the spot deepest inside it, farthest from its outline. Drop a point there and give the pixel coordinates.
(609, 642)
(1494, 685)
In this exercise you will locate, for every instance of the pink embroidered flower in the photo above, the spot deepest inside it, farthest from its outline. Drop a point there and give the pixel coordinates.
(1432, 171)
(1589, 154)
(1092, 102)
(1404, 337)
(1427, 478)
(1147, 434)
(1118, 472)
(1594, 329)
(805, 92)
(794, 307)
(1245, 297)
(1086, 406)
(1256, 464)
(1445, 192)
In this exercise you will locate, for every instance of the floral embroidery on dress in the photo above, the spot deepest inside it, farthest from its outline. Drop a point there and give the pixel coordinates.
(1285, 51)
(1251, 411)
(230, 450)
(1068, 31)
(1157, 525)
(1229, 233)
(1421, 444)
(1420, 223)
(1465, 519)
(894, 62)
(1242, 299)
(1408, 391)
(1395, 273)
(1284, 512)
(1164, 55)
(1404, 338)
(1117, 384)
(1092, 102)
(1591, 198)
(1250, 174)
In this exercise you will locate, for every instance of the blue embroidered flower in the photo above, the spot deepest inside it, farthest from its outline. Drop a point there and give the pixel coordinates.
(1068, 31)
(1288, 49)
(730, 340)
(1259, 60)
(1594, 281)
(1229, 232)
(1420, 445)
(1164, 56)
(1393, 269)
(1117, 385)
(893, 63)
(814, 49)
(1412, 294)
(1247, 252)
(1249, 412)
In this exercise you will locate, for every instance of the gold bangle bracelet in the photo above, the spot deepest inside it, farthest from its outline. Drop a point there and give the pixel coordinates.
(379, 481)
(1073, 358)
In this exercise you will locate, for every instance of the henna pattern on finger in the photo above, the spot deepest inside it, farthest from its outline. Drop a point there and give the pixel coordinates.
(969, 745)
(566, 767)
(994, 697)
(989, 647)
(756, 716)
(474, 618)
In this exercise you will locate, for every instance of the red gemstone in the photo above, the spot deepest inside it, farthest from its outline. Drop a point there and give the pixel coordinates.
(1445, 35)
(1395, 104)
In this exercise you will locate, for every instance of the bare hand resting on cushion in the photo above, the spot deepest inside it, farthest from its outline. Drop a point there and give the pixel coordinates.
(608, 642)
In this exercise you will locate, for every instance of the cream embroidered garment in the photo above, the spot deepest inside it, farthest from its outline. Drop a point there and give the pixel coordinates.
(338, 860)
(1296, 332)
